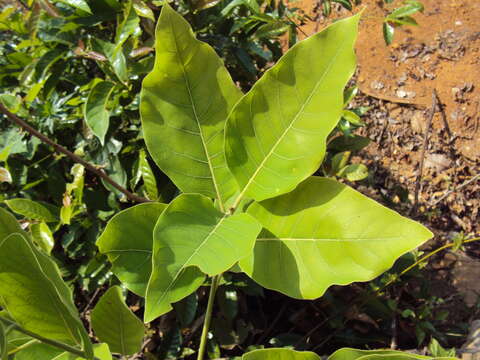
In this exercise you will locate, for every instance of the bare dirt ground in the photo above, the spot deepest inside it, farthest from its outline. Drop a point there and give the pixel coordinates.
(397, 82)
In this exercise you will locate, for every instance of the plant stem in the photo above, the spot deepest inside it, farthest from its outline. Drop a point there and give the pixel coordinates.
(59, 345)
(59, 148)
(208, 316)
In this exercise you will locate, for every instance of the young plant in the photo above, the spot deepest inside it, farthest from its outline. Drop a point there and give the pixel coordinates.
(249, 202)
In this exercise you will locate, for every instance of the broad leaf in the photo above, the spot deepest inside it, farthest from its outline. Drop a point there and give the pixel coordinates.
(31, 210)
(192, 237)
(97, 116)
(115, 324)
(276, 134)
(280, 354)
(78, 4)
(185, 102)
(42, 236)
(353, 354)
(143, 10)
(326, 233)
(127, 241)
(9, 225)
(101, 351)
(35, 295)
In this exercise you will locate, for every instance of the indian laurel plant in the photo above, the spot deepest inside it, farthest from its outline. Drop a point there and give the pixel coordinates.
(244, 165)
(249, 202)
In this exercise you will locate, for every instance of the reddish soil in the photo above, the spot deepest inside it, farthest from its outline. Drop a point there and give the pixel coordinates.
(397, 82)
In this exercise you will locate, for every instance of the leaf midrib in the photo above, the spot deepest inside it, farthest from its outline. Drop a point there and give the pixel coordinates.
(197, 120)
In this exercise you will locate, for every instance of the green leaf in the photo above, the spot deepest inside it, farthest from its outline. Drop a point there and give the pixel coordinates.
(42, 236)
(116, 58)
(36, 351)
(128, 26)
(190, 238)
(185, 102)
(276, 134)
(147, 176)
(101, 351)
(115, 324)
(326, 233)
(35, 295)
(31, 210)
(78, 4)
(97, 116)
(143, 10)
(411, 8)
(3, 342)
(388, 32)
(280, 354)
(127, 241)
(9, 225)
(348, 143)
(351, 117)
(353, 354)
(354, 172)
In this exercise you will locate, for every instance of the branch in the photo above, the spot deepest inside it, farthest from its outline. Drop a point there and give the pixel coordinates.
(60, 149)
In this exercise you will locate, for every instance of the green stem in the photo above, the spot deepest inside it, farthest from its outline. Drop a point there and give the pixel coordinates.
(54, 343)
(208, 316)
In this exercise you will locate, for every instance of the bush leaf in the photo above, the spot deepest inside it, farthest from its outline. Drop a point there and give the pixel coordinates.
(192, 237)
(276, 134)
(115, 324)
(33, 291)
(326, 233)
(31, 210)
(127, 241)
(280, 354)
(97, 115)
(185, 102)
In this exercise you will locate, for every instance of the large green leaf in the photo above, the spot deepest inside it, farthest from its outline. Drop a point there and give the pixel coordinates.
(326, 233)
(280, 354)
(185, 102)
(9, 225)
(31, 209)
(127, 241)
(192, 237)
(97, 116)
(387, 354)
(275, 136)
(115, 324)
(35, 295)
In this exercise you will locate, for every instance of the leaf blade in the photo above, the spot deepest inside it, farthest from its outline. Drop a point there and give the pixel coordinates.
(276, 135)
(307, 229)
(35, 295)
(115, 324)
(187, 98)
(191, 237)
(128, 240)
(95, 112)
